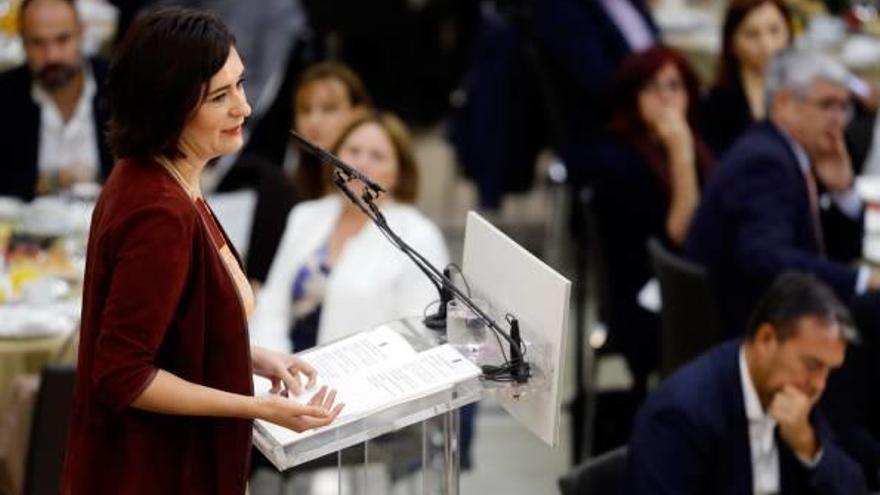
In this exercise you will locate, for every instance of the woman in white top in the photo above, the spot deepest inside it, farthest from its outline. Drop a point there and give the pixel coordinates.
(335, 273)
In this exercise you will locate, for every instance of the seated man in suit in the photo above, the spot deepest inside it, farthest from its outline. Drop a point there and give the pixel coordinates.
(53, 135)
(783, 196)
(741, 418)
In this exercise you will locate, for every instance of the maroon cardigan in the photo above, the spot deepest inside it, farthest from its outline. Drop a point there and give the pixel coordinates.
(156, 295)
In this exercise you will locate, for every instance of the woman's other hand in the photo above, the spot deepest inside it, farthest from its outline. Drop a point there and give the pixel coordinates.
(284, 370)
(672, 128)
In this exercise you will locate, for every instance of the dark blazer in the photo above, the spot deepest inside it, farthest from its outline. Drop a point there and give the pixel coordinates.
(20, 132)
(725, 115)
(691, 437)
(583, 48)
(156, 295)
(754, 223)
(630, 207)
(498, 131)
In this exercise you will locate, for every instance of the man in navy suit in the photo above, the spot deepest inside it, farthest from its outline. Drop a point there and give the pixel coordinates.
(53, 133)
(783, 196)
(740, 420)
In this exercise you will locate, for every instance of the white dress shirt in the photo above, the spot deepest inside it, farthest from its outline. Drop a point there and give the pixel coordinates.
(762, 442)
(71, 143)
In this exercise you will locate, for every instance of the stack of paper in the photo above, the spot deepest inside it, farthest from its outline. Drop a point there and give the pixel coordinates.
(372, 371)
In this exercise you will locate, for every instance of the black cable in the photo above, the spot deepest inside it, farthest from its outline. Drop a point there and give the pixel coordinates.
(461, 274)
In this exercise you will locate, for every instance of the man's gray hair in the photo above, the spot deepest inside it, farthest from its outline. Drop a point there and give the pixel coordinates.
(796, 70)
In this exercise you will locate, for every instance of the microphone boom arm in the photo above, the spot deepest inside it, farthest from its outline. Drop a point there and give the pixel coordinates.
(518, 369)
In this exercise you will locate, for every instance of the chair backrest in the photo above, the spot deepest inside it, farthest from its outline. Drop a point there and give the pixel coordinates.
(597, 476)
(49, 430)
(593, 240)
(689, 317)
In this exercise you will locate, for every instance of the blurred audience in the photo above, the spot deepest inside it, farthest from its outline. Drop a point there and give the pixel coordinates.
(648, 185)
(327, 98)
(54, 134)
(761, 212)
(584, 42)
(783, 199)
(752, 33)
(502, 114)
(741, 419)
(335, 273)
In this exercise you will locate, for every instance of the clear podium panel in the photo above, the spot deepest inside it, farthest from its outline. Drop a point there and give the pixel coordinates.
(421, 459)
(393, 419)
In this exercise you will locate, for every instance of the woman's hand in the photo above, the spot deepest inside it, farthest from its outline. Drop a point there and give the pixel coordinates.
(672, 128)
(284, 370)
(674, 132)
(288, 413)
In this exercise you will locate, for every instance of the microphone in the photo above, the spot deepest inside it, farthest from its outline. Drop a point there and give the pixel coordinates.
(437, 321)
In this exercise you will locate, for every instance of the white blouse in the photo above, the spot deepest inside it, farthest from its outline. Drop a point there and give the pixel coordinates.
(370, 283)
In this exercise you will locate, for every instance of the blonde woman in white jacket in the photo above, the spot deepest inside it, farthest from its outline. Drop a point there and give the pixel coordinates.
(334, 273)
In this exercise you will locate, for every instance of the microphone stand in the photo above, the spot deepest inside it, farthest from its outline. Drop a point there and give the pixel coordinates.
(516, 368)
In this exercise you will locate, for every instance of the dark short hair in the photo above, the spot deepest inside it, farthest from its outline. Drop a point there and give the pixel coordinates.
(634, 74)
(794, 296)
(407, 187)
(737, 10)
(158, 78)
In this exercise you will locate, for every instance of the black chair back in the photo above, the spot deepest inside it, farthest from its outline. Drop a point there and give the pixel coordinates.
(689, 317)
(598, 476)
(49, 428)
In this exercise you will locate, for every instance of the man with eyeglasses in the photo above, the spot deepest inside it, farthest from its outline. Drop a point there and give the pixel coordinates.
(783, 196)
(783, 199)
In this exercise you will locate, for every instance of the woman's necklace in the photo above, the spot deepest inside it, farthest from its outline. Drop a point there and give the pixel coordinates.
(178, 177)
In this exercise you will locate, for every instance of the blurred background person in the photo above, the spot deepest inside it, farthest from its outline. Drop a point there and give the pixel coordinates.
(742, 418)
(53, 135)
(752, 33)
(583, 43)
(761, 212)
(335, 273)
(783, 198)
(326, 99)
(649, 175)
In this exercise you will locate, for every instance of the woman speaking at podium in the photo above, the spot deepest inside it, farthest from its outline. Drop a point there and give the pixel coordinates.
(164, 397)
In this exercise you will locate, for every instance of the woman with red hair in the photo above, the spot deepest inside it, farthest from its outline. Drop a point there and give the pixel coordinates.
(651, 170)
